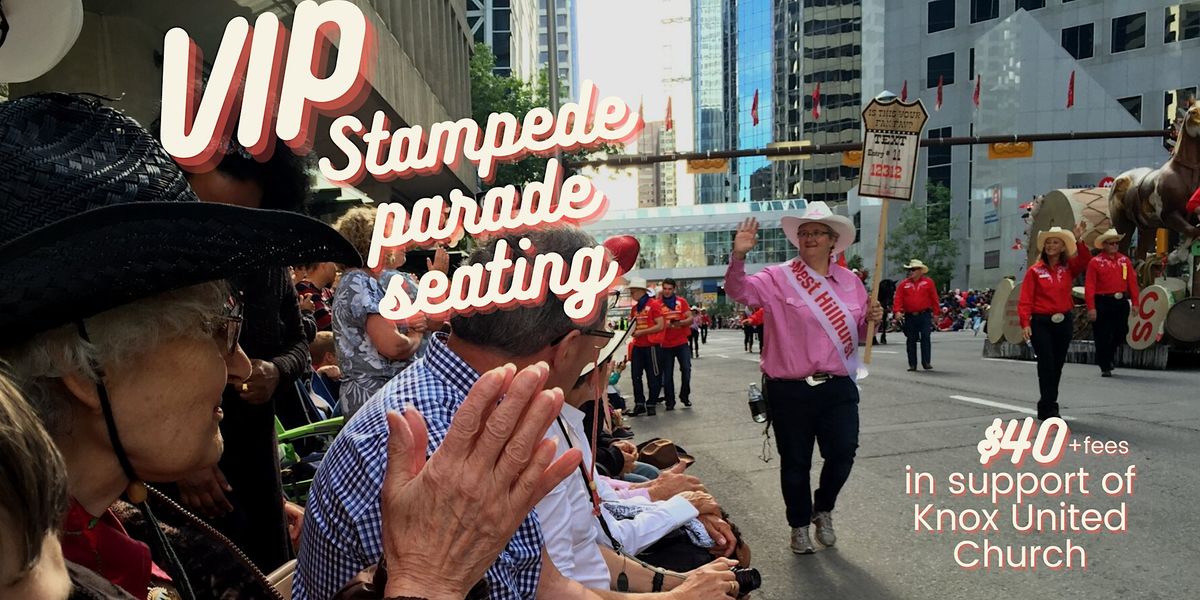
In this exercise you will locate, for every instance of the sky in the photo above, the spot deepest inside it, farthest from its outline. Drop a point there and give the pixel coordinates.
(627, 50)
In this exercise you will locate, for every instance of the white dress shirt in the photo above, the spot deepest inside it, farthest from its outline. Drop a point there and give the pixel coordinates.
(572, 531)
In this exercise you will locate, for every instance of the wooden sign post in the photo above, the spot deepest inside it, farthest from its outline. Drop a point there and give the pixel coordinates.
(889, 164)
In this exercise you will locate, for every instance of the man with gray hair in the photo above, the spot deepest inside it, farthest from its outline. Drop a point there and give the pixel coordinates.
(342, 529)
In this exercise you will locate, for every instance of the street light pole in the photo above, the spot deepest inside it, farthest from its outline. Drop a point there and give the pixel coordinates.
(552, 52)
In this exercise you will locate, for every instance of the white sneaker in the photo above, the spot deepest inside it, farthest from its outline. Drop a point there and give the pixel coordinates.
(824, 522)
(801, 544)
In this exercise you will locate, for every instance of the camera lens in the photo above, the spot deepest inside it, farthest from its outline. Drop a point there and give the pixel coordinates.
(748, 580)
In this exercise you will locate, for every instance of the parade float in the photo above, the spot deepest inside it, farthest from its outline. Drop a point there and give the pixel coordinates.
(1147, 206)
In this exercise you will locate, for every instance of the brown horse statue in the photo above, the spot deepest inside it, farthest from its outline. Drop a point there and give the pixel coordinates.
(1147, 199)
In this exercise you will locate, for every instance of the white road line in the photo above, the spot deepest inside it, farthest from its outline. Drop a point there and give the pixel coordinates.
(996, 405)
(1013, 360)
(722, 356)
(873, 351)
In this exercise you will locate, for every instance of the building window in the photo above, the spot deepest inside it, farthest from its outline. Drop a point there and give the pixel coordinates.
(1029, 4)
(991, 258)
(1182, 22)
(942, 66)
(1129, 32)
(971, 62)
(939, 155)
(1175, 103)
(941, 15)
(1133, 104)
(984, 10)
(1078, 41)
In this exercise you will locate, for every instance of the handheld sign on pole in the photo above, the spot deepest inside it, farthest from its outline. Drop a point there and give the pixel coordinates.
(889, 160)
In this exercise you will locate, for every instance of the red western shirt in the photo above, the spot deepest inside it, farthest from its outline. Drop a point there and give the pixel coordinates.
(645, 319)
(674, 336)
(1110, 275)
(916, 296)
(1193, 202)
(1046, 290)
(757, 317)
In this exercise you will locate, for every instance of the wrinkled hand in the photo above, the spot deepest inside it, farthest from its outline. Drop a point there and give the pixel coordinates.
(306, 303)
(1091, 314)
(204, 491)
(484, 479)
(333, 372)
(875, 315)
(295, 521)
(670, 483)
(746, 238)
(1026, 333)
(714, 580)
(704, 502)
(721, 533)
(417, 324)
(440, 261)
(260, 386)
(629, 452)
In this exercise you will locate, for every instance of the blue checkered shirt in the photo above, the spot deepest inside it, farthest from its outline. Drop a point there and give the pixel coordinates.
(342, 522)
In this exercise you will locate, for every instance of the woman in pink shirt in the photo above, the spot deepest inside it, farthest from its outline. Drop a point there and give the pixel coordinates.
(816, 312)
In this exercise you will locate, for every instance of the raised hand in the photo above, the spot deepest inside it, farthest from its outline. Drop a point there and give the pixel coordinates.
(484, 479)
(746, 238)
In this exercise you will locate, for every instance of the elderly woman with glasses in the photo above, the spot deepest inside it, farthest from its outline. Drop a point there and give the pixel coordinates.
(125, 364)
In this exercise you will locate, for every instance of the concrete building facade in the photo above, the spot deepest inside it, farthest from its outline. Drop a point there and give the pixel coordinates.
(1133, 68)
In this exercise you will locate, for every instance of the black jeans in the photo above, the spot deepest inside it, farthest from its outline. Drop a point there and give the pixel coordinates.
(704, 334)
(694, 340)
(666, 361)
(1050, 341)
(917, 327)
(800, 415)
(748, 340)
(645, 361)
(1110, 329)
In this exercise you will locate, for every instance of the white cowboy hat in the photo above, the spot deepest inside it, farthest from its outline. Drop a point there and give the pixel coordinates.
(1111, 234)
(39, 35)
(638, 283)
(618, 342)
(818, 212)
(916, 264)
(1067, 237)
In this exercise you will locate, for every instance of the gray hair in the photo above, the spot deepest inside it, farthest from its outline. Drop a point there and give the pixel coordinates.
(525, 330)
(118, 335)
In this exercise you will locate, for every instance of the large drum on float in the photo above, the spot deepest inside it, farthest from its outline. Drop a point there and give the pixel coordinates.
(1183, 321)
(996, 312)
(1064, 208)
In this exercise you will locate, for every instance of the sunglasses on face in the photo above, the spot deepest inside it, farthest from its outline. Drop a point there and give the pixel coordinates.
(812, 234)
(227, 328)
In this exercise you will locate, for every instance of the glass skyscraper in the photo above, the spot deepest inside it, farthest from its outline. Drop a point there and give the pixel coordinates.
(753, 66)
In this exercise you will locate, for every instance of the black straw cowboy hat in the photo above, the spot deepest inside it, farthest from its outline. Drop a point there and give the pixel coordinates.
(95, 215)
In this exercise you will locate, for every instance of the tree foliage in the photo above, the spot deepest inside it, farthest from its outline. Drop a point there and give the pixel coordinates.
(924, 233)
(492, 93)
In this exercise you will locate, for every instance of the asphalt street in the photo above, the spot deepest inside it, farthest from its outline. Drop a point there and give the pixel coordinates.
(932, 422)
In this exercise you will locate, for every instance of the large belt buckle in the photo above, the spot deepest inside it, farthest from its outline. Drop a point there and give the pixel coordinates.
(1058, 318)
(816, 379)
(1119, 295)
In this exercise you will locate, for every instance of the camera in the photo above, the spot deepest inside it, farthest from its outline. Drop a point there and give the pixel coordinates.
(748, 580)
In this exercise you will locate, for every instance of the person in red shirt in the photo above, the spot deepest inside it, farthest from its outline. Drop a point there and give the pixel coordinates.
(648, 322)
(673, 345)
(705, 323)
(1045, 307)
(758, 320)
(917, 298)
(1109, 286)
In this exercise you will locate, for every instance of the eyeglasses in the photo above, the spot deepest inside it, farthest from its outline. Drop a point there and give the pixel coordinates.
(813, 234)
(227, 329)
(600, 333)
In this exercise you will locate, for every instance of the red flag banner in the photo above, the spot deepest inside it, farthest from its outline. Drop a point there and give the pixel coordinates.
(978, 81)
(904, 91)
(1071, 91)
(669, 122)
(816, 100)
(754, 109)
(938, 105)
